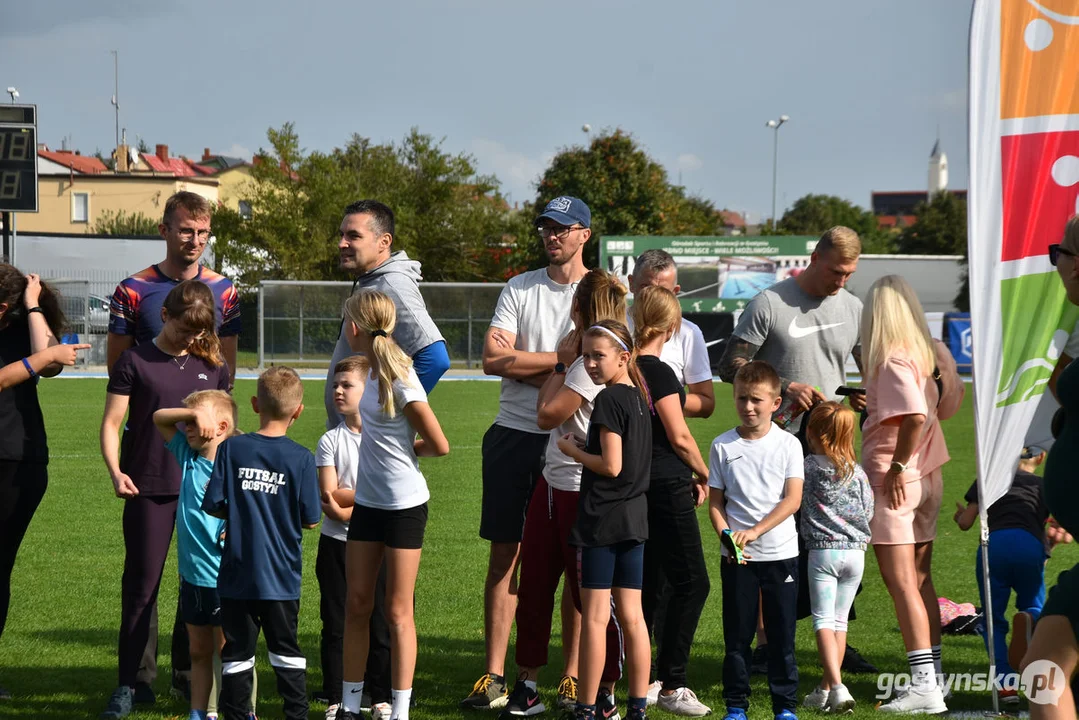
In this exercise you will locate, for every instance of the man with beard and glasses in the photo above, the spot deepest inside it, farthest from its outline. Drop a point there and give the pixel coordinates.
(532, 316)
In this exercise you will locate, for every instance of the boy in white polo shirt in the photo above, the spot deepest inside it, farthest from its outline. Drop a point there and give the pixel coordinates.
(756, 473)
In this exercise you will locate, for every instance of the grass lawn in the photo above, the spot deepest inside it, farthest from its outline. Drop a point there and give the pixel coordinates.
(58, 654)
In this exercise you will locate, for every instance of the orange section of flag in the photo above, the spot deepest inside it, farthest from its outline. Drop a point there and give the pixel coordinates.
(1039, 58)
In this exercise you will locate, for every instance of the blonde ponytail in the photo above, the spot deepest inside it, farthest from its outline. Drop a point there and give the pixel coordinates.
(373, 312)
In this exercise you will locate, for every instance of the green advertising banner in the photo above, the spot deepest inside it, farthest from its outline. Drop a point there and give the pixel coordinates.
(717, 274)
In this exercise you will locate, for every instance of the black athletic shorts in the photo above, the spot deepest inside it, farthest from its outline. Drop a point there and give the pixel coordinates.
(399, 529)
(199, 606)
(512, 463)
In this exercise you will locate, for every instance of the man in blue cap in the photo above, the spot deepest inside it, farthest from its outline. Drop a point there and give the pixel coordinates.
(532, 316)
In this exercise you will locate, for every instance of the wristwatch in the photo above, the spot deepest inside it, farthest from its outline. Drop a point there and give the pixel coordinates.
(560, 368)
(898, 466)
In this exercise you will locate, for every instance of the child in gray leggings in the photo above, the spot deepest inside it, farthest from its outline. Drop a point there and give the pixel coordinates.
(837, 504)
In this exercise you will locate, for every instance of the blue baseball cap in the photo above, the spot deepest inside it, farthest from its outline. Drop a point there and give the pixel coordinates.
(566, 210)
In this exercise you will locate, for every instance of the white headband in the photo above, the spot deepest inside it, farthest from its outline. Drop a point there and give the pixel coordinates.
(612, 334)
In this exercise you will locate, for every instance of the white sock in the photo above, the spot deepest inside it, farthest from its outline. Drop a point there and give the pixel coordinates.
(350, 696)
(401, 700)
(922, 671)
(937, 664)
(531, 685)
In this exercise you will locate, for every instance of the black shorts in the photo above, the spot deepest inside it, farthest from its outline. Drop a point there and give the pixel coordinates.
(398, 529)
(608, 566)
(512, 463)
(199, 606)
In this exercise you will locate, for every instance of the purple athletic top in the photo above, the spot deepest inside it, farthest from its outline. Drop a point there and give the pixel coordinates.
(153, 380)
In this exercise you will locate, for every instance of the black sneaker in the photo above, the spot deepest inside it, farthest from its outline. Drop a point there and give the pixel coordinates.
(606, 709)
(343, 714)
(489, 693)
(567, 693)
(853, 662)
(144, 694)
(758, 665)
(523, 702)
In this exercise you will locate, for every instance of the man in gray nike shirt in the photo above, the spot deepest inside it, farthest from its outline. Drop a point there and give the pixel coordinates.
(805, 327)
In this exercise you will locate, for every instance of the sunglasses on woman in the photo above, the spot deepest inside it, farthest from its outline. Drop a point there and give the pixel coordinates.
(1055, 251)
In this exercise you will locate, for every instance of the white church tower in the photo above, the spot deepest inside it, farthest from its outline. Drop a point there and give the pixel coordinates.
(938, 170)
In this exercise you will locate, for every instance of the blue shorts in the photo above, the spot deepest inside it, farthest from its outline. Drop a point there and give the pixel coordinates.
(620, 565)
(199, 606)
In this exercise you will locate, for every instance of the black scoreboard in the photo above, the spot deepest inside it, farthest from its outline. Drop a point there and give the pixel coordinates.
(18, 158)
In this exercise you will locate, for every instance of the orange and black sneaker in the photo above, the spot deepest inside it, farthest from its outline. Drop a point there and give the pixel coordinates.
(489, 693)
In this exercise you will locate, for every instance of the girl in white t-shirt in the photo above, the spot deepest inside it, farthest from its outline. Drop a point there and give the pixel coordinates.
(390, 511)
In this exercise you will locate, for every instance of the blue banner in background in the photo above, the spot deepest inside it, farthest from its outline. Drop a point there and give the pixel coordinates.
(957, 338)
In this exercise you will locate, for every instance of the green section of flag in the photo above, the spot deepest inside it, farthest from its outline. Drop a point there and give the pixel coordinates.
(1036, 322)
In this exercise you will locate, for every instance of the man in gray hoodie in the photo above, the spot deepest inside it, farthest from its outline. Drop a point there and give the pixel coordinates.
(367, 232)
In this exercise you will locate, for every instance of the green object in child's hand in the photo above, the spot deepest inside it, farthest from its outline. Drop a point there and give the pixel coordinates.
(726, 539)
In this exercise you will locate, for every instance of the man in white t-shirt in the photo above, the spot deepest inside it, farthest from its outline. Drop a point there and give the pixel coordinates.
(532, 315)
(686, 352)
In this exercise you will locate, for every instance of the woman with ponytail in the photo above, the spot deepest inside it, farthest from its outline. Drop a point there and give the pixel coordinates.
(390, 512)
(183, 358)
(564, 406)
(678, 485)
(612, 512)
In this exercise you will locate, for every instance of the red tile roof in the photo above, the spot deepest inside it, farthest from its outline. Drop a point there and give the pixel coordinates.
(174, 165)
(732, 219)
(78, 163)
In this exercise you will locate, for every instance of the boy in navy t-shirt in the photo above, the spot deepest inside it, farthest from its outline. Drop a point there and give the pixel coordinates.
(266, 488)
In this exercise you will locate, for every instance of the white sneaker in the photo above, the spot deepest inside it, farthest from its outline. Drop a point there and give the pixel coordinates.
(816, 699)
(917, 700)
(331, 711)
(840, 701)
(683, 701)
(652, 696)
(381, 711)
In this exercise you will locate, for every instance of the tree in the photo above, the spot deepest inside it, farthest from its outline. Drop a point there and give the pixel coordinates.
(122, 223)
(627, 191)
(940, 227)
(813, 214)
(448, 217)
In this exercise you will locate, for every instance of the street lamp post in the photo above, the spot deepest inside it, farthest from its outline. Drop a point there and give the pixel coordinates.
(775, 125)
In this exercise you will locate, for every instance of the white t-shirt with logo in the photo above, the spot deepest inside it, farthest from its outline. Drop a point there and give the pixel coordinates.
(389, 471)
(339, 448)
(752, 475)
(537, 310)
(561, 471)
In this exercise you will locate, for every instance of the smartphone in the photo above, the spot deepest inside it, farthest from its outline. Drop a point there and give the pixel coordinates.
(848, 390)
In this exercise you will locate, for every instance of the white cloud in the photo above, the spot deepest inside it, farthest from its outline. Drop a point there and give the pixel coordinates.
(517, 171)
(689, 162)
(238, 150)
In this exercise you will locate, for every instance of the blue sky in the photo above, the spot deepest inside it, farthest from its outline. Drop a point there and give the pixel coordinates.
(867, 84)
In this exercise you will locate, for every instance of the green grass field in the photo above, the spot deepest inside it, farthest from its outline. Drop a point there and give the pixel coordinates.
(58, 655)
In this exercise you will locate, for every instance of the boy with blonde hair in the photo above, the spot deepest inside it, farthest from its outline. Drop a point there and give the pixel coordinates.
(266, 487)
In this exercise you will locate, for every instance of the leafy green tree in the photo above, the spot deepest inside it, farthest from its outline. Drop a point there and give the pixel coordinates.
(627, 191)
(940, 227)
(813, 214)
(448, 217)
(124, 223)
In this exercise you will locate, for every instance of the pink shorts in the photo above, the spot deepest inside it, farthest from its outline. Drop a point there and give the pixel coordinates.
(915, 521)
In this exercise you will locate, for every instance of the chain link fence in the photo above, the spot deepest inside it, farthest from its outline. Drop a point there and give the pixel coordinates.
(299, 320)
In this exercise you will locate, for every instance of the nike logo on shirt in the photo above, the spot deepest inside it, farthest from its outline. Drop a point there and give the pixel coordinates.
(797, 331)
(732, 459)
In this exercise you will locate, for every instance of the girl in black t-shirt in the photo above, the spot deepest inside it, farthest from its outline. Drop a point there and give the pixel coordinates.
(30, 323)
(612, 514)
(674, 554)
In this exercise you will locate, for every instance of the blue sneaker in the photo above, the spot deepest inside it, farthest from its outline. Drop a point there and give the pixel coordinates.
(735, 714)
(786, 715)
(119, 704)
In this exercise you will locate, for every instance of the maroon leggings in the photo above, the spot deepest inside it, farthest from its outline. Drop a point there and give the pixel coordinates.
(546, 556)
(148, 525)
